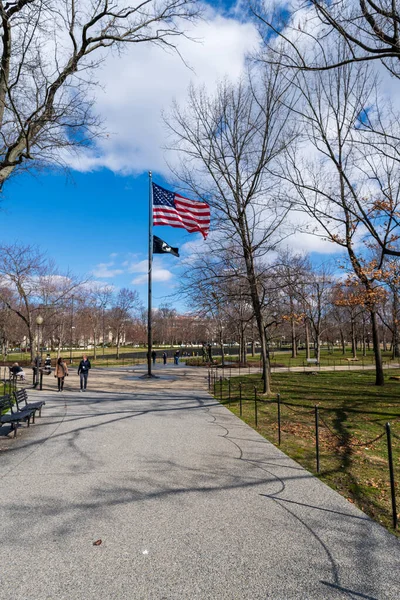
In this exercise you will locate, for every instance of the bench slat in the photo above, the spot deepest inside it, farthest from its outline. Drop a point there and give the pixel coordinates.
(14, 416)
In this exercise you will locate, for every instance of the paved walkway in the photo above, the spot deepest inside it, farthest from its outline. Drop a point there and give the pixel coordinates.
(188, 501)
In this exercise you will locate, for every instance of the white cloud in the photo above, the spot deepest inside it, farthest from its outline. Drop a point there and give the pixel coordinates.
(142, 83)
(138, 267)
(159, 274)
(103, 270)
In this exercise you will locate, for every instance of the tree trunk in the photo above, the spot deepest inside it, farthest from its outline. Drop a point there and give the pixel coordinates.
(94, 345)
(353, 339)
(379, 379)
(256, 303)
(294, 341)
(31, 344)
(242, 357)
(342, 341)
(307, 339)
(266, 365)
(384, 341)
(222, 349)
(317, 347)
(395, 339)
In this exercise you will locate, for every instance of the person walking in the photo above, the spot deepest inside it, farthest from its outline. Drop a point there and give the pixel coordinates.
(154, 356)
(61, 371)
(164, 357)
(176, 357)
(47, 364)
(83, 372)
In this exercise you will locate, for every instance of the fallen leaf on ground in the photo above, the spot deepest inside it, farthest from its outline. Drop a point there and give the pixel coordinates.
(97, 543)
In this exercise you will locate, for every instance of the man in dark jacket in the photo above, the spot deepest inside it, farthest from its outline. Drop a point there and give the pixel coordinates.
(83, 371)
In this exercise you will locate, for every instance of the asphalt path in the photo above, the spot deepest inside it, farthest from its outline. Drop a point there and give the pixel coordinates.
(187, 500)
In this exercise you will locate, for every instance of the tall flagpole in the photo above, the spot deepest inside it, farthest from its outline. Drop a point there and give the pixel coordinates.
(149, 303)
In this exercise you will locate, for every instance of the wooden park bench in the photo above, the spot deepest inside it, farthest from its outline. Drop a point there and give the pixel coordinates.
(21, 400)
(13, 417)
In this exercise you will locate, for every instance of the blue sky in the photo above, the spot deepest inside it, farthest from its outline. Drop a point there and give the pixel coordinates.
(95, 222)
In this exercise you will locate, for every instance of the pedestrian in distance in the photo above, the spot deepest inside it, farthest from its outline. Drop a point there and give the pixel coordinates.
(61, 371)
(176, 357)
(37, 363)
(154, 356)
(164, 357)
(83, 372)
(47, 364)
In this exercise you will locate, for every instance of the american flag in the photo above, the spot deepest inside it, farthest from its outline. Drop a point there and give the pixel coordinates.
(173, 209)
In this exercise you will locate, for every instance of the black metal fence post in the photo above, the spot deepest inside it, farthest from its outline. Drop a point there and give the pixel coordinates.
(220, 388)
(255, 406)
(229, 392)
(391, 471)
(240, 398)
(209, 380)
(278, 397)
(41, 380)
(317, 436)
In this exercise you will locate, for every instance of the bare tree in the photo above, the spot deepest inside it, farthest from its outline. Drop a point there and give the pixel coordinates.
(48, 54)
(347, 298)
(96, 299)
(125, 304)
(391, 316)
(36, 286)
(229, 144)
(205, 285)
(350, 188)
(164, 324)
(369, 28)
(292, 271)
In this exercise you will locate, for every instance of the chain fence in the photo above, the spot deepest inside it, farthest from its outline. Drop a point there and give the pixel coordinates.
(273, 421)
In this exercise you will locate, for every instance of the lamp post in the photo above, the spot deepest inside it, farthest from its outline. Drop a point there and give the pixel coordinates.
(103, 307)
(72, 327)
(38, 360)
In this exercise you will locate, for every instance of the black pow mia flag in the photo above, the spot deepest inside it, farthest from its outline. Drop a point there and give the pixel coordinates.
(161, 247)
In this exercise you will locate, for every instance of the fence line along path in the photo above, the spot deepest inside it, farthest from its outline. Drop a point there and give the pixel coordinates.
(183, 499)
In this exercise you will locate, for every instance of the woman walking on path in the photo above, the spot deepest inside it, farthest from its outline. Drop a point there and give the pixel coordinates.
(83, 371)
(60, 372)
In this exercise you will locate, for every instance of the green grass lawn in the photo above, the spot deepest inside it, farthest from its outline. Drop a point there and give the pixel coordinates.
(353, 413)
(102, 359)
(284, 359)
